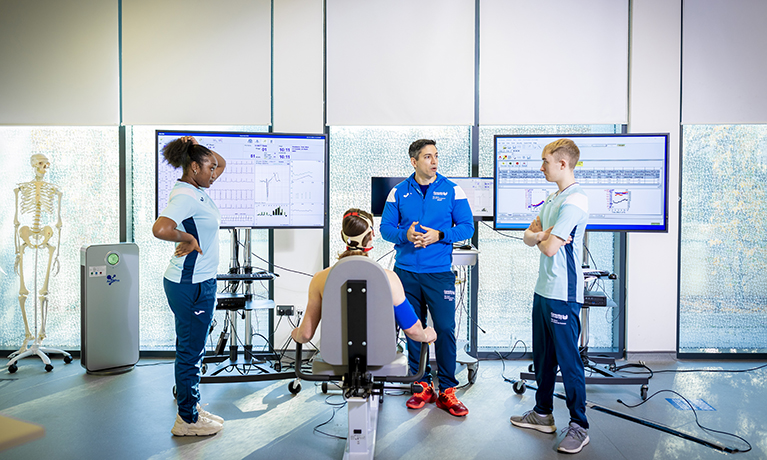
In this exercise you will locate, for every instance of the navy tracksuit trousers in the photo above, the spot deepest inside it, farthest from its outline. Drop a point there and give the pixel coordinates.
(193, 306)
(556, 327)
(435, 291)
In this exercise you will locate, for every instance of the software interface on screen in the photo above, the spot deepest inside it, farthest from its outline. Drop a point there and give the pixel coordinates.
(624, 177)
(479, 192)
(271, 180)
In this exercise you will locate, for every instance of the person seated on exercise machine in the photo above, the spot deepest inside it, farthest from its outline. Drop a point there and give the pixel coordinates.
(357, 233)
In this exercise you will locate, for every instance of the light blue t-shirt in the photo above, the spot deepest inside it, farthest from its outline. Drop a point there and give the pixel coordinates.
(560, 277)
(194, 213)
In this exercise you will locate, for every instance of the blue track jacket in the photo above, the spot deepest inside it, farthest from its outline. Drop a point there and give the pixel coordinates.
(445, 207)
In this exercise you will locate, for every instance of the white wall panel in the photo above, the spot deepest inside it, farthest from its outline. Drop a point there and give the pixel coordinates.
(553, 62)
(298, 98)
(197, 62)
(59, 63)
(724, 62)
(400, 62)
(651, 303)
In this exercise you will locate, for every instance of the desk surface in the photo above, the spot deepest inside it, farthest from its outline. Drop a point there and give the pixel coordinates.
(15, 432)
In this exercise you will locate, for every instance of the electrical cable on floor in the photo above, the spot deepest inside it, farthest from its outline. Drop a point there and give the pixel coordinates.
(159, 363)
(682, 371)
(503, 360)
(695, 413)
(5, 382)
(658, 426)
(336, 408)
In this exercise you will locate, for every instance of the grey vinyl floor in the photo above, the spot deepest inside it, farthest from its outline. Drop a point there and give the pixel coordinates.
(129, 416)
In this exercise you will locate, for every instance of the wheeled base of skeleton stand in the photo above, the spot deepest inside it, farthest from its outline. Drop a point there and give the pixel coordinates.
(37, 350)
(603, 366)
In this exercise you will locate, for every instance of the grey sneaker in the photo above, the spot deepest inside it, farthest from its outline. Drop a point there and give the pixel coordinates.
(203, 413)
(536, 421)
(203, 427)
(575, 438)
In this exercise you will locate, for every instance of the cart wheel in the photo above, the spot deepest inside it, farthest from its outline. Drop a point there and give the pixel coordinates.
(519, 387)
(294, 387)
(324, 387)
(13, 368)
(67, 359)
(175, 393)
(643, 392)
(277, 366)
(530, 368)
(204, 368)
(48, 367)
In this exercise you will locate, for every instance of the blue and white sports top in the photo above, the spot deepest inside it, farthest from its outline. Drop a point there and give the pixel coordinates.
(194, 213)
(560, 277)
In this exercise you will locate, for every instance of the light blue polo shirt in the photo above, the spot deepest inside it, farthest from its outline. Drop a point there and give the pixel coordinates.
(560, 277)
(194, 213)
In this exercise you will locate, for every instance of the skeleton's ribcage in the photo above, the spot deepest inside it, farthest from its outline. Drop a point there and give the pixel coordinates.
(37, 198)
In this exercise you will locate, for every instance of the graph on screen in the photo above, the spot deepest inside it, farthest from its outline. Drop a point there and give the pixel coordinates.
(272, 180)
(625, 177)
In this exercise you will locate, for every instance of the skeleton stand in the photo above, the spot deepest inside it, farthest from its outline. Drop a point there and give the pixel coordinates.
(37, 198)
(35, 348)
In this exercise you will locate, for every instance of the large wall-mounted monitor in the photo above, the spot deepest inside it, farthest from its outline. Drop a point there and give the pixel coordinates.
(479, 192)
(624, 175)
(271, 180)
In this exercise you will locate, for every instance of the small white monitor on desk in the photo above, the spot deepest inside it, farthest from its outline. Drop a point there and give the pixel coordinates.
(479, 191)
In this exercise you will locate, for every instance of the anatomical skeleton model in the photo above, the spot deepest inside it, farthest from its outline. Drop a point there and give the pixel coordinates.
(37, 198)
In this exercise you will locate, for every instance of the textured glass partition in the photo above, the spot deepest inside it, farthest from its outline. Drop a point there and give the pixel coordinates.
(85, 167)
(157, 326)
(359, 153)
(508, 269)
(723, 286)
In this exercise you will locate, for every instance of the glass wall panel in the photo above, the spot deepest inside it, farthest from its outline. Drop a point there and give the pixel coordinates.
(723, 287)
(157, 326)
(359, 153)
(85, 168)
(508, 269)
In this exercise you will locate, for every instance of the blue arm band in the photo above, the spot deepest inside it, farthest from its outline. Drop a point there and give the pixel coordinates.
(405, 315)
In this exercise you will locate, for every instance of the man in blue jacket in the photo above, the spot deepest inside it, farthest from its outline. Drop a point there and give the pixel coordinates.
(423, 216)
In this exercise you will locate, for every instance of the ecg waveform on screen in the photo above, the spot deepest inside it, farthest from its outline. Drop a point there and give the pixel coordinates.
(267, 181)
(274, 184)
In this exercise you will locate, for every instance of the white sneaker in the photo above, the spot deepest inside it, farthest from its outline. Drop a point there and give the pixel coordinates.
(203, 427)
(208, 415)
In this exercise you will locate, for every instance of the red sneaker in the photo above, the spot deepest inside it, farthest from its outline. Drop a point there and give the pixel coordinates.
(450, 403)
(418, 400)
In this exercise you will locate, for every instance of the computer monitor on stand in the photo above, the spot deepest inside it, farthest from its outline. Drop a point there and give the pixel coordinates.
(626, 179)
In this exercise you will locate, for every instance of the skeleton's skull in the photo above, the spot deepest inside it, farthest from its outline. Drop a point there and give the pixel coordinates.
(40, 163)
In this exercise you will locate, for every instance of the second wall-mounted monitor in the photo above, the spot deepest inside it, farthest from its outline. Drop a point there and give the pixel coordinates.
(271, 180)
(479, 192)
(624, 175)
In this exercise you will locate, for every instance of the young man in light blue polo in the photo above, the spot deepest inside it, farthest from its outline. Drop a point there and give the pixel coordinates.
(558, 233)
